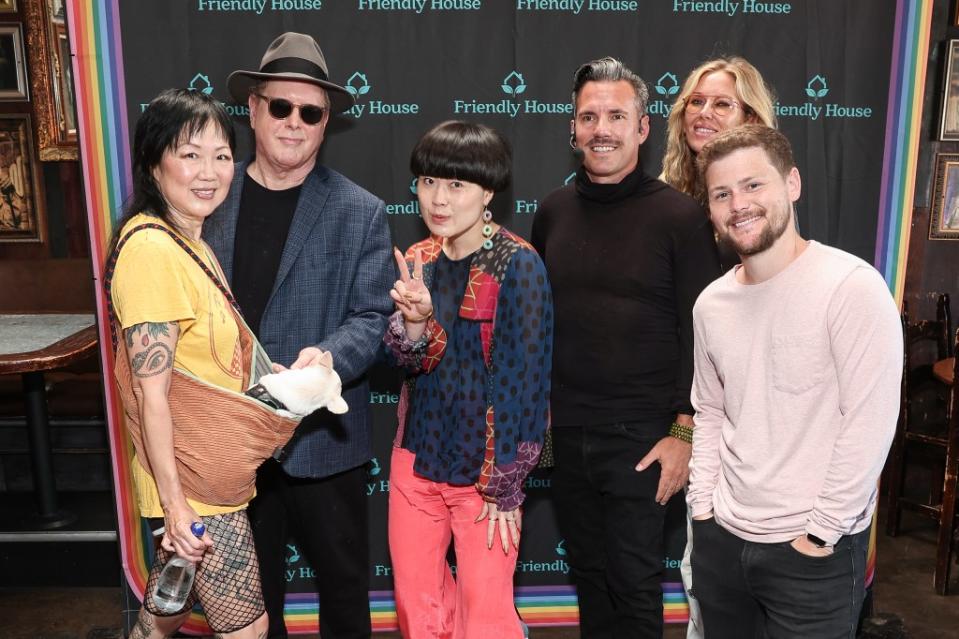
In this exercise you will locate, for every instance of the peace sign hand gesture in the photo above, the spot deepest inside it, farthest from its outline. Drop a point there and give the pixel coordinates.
(411, 296)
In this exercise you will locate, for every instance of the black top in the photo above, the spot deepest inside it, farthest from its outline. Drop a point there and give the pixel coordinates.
(262, 225)
(626, 262)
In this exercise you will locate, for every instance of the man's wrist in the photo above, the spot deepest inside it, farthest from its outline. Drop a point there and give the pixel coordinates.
(682, 432)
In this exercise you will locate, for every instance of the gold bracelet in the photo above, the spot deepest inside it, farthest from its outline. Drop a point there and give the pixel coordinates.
(679, 431)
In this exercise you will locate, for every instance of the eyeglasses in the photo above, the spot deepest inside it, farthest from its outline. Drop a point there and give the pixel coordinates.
(281, 108)
(722, 106)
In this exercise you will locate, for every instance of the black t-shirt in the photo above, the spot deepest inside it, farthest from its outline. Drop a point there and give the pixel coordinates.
(626, 263)
(261, 229)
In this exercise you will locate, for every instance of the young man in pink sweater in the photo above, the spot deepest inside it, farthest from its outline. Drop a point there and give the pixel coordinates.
(798, 357)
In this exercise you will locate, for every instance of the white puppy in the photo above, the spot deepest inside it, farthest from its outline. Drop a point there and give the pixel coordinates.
(304, 390)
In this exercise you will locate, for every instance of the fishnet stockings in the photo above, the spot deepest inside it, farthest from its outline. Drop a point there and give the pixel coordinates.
(227, 582)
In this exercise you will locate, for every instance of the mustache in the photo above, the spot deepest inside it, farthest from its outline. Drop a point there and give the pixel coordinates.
(603, 141)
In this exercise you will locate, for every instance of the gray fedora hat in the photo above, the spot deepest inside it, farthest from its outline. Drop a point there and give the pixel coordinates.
(292, 56)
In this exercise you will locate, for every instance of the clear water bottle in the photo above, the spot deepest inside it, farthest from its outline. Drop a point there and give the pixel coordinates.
(176, 579)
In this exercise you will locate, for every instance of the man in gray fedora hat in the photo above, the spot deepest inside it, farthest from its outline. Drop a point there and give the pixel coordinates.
(307, 254)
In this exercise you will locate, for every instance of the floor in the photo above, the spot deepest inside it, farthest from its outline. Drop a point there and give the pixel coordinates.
(905, 605)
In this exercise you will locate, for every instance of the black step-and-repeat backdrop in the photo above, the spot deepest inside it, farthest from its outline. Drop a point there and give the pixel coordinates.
(509, 63)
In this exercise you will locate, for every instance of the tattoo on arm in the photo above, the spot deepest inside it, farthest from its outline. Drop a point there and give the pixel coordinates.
(143, 627)
(147, 344)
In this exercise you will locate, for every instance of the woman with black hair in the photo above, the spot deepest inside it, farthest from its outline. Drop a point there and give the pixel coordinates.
(182, 349)
(473, 329)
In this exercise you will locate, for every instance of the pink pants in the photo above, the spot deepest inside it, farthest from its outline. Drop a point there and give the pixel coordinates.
(424, 515)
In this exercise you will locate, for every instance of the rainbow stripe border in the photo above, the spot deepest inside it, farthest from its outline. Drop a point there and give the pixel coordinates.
(907, 79)
(94, 29)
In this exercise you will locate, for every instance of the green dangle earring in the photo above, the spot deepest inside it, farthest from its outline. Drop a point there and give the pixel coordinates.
(487, 229)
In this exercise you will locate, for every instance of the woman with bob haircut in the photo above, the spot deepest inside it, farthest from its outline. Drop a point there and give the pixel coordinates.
(172, 326)
(717, 95)
(473, 330)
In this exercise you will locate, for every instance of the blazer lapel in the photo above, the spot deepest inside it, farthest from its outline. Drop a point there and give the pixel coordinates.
(222, 225)
(313, 198)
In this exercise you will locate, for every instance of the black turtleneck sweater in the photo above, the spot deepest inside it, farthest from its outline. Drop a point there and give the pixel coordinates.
(626, 263)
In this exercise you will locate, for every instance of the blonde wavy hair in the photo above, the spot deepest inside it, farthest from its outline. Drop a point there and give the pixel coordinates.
(758, 102)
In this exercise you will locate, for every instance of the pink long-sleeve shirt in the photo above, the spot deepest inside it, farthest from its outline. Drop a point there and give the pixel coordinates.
(796, 391)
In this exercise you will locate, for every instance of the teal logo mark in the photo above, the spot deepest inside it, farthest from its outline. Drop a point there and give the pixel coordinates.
(294, 555)
(374, 467)
(513, 84)
(201, 83)
(358, 84)
(667, 84)
(560, 550)
(569, 178)
(413, 186)
(816, 87)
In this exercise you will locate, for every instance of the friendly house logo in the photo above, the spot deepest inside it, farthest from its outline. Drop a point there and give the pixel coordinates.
(816, 107)
(557, 565)
(201, 83)
(409, 207)
(293, 554)
(359, 86)
(816, 87)
(513, 84)
(667, 86)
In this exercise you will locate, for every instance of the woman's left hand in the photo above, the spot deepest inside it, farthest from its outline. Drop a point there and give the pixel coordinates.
(510, 525)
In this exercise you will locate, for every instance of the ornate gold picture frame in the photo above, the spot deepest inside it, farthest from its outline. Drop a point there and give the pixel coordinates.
(22, 217)
(944, 216)
(51, 79)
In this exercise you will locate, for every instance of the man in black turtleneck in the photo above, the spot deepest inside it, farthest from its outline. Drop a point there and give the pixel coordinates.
(627, 257)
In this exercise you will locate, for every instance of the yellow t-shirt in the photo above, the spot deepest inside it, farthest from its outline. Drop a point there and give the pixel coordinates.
(156, 281)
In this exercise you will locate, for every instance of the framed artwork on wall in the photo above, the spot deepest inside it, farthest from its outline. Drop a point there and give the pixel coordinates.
(22, 218)
(949, 113)
(944, 218)
(13, 70)
(51, 79)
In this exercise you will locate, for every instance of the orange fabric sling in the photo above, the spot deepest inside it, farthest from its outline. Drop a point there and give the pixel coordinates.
(219, 437)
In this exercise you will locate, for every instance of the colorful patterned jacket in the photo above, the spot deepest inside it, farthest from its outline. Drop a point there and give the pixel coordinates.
(508, 294)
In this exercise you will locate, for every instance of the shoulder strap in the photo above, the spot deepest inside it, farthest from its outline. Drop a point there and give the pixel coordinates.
(112, 264)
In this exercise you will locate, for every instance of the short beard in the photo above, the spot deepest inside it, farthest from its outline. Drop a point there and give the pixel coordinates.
(773, 231)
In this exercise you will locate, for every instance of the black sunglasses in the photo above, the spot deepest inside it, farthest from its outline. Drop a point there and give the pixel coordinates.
(281, 108)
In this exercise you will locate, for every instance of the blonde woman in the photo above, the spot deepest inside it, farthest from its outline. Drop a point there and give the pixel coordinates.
(717, 95)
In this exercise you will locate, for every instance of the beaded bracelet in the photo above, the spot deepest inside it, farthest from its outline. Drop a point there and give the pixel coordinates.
(684, 433)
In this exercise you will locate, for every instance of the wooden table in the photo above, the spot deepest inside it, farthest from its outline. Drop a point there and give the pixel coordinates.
(30, 345)
(944, 370)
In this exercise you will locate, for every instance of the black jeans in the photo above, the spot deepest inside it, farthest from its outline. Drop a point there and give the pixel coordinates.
(613, 527)
(748, 589)
(328, 520)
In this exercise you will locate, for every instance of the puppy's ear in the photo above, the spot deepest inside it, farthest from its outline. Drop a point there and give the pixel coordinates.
(337, 406)
(326, 359)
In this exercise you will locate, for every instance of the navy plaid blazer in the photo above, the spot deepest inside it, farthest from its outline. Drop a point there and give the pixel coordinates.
(332, 292)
